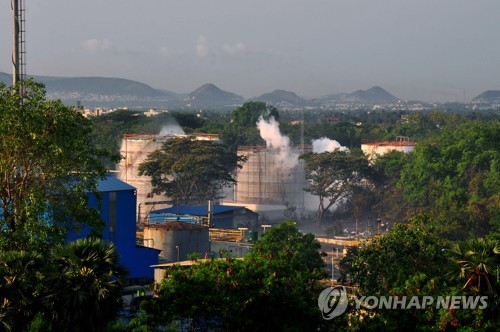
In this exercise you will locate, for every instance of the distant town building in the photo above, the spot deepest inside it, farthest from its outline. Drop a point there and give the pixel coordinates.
(152, 112)
(92, 112)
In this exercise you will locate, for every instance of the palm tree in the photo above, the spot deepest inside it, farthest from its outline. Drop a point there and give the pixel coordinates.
(475, 263)
(20, 286)
(85, 285)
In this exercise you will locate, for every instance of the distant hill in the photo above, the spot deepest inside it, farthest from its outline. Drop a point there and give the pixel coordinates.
(374, 95)
(282, 99)
(118, 92)
(208, 95)
(105, 92)
(490, 96)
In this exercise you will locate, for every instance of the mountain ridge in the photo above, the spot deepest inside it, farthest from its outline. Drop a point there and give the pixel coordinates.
(118, 92)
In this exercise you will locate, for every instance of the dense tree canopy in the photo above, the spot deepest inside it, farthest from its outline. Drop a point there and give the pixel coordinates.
(413, 260)
(333, 176)
(272, 289)
(242, 129)
(456, 177)
(74, 287)
(188, 170)
(389, 202)
(47, 167)
(249, 113)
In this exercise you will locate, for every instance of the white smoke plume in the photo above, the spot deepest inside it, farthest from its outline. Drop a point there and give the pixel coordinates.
(324, 144)
(171, 129)
(270, 132)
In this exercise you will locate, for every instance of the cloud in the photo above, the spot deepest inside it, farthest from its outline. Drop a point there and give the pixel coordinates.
(93, 45)
(239, 47)
(202, 46)
(164, 51)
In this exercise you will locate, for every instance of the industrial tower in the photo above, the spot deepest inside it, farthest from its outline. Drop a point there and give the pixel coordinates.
(18, 43)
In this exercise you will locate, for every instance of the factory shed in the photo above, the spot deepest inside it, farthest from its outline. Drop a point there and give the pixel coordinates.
(223, 216)
(118, 210)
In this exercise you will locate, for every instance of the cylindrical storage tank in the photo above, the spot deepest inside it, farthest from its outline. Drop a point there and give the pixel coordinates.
(266, 178)
(134, 150)
(177, 240)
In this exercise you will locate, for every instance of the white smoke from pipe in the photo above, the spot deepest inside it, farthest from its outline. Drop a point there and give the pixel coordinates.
(270, 132)
(324, 144)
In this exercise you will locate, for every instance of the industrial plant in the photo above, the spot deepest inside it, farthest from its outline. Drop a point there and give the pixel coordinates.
(134, 150)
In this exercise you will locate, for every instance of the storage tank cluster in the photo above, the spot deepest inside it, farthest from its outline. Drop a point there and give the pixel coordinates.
(134, 150)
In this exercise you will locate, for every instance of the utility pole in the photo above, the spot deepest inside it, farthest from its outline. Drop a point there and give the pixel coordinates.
(18, 43)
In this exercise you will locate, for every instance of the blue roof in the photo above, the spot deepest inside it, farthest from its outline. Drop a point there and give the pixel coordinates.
(110, 183)
(201, 210)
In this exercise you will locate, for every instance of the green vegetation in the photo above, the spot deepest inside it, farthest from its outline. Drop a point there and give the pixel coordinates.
(190, 171)
(455, 176)
(414, 260)
(274, 288)
(334, 177)
(442, 202)
(47, 167)
(75, 287)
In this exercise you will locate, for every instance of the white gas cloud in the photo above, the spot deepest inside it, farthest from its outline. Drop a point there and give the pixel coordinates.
(324, 144)
(270, 132)
(202, 46)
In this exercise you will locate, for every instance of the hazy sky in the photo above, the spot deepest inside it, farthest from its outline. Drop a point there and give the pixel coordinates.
(442, 50)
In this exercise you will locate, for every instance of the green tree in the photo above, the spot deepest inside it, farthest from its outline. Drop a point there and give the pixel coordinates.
(333, 176)
(249, 113)
(390, 204)
(47, 167)
(74, 287)
(84, 285)
(21, 277)
(422, 263)
(242, 129)
(189, 170)
(476, 263)
(411, 249)
(274, 288)
(301, 249)
(456, 177)
(406, 261)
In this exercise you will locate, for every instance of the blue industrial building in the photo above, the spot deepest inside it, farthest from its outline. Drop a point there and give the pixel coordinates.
(118, 210)
(223, 216)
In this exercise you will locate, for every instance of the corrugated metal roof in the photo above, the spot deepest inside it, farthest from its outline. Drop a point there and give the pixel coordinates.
(176, 226)
(110, 183)
(198, 210)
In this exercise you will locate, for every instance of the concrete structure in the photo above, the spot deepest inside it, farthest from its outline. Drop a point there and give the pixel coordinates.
(118, 210)
(177, 240)
(373, 149)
